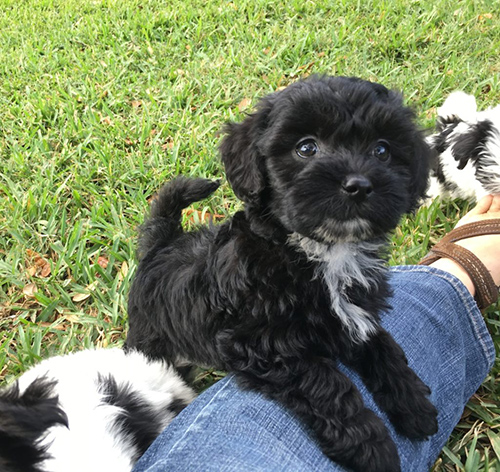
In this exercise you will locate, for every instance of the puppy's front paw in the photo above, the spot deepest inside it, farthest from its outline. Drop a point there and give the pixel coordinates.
(376, 456)
(363, 444)
(417, 417)
(420, 423)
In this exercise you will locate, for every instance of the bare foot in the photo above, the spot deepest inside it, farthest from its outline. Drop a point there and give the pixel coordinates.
(486, 248)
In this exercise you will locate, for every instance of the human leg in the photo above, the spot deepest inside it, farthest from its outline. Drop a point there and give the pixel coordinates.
(436, 321)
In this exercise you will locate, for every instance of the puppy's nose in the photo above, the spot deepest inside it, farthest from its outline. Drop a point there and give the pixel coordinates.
(357, 187)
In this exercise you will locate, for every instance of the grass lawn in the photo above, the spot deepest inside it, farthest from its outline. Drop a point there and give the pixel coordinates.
(103, 101)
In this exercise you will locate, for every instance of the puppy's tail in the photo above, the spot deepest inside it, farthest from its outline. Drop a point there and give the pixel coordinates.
(164, 222)
(176, 195)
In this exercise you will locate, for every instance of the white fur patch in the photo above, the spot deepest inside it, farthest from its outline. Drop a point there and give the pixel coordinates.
(342, 265)
(489, 172)
(459, 104)
(93, 442)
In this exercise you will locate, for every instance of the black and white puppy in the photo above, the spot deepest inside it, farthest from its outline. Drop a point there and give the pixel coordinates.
(94, 410)
(467, 150)
(285, 289)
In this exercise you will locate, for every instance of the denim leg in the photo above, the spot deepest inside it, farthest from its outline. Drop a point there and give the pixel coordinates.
(438, 325)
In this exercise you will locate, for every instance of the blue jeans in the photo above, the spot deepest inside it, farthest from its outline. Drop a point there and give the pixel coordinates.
(436, 322)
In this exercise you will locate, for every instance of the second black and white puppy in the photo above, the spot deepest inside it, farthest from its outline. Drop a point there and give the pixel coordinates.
(91, 410)
(467, 150)
(294, 283)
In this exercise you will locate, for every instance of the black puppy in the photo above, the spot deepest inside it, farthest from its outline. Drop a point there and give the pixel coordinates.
(295, 283)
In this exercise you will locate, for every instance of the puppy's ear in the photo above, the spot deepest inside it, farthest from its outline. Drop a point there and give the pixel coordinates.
(468, 146)
(421, 163)
(240, 154)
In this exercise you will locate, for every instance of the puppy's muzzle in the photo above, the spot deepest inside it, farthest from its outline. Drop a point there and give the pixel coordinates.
(357, 187)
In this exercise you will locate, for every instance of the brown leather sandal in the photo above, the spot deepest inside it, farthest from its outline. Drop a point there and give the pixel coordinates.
(486, 289)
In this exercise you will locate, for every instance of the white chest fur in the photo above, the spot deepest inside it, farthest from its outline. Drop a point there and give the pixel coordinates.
(341, 266)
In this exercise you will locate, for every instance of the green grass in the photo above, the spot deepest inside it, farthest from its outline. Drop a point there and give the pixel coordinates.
(102, 101)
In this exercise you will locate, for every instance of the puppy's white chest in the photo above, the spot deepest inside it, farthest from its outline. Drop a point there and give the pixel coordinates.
(340, 273)
(341, 266)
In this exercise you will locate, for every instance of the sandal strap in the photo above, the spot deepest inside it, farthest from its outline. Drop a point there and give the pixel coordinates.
(477, 228)
(486, 289)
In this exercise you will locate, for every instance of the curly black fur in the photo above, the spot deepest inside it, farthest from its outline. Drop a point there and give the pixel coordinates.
(294, 283)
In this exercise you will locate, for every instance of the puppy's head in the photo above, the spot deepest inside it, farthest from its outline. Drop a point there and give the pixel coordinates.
(330, 158)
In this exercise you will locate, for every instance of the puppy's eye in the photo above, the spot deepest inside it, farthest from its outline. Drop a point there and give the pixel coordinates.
(382, 150)
(307, 148)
